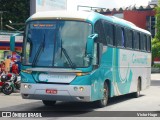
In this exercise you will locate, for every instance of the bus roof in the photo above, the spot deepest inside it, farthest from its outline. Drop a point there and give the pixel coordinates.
(83, 16)
(72, 15)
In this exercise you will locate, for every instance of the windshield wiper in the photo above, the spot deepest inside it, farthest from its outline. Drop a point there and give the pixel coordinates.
(41, 47)
(68, 58)
(64, 51)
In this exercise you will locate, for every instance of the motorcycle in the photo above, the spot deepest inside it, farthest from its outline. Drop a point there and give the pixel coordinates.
(9, 83)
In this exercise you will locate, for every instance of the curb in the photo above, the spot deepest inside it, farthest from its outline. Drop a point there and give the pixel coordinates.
(155, 70)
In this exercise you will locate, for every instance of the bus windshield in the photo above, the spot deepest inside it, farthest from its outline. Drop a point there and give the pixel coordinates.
(56, 44)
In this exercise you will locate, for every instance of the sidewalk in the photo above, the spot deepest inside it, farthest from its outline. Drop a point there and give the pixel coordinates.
(155, 76)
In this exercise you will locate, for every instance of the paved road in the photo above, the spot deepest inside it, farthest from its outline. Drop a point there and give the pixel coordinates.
(148, 101)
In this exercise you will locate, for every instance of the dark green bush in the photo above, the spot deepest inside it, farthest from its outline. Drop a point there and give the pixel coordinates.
(155, 48)
(156, 65)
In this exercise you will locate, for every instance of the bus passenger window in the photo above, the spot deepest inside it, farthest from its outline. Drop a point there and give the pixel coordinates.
(136, 40)
(120, 37)
(108, 29)
(143, 42)
(129, 37)
(148, 43)
(100, 31)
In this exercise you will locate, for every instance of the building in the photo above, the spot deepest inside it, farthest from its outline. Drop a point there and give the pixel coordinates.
(142, 16)
(5, 44)
(153, 2)
(47, 5)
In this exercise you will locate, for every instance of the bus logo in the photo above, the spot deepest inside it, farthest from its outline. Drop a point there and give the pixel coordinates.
(6, 114)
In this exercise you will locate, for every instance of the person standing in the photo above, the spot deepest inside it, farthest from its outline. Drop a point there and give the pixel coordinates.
(7, 64)
(14, 69)
(18, 62)
(2, 67)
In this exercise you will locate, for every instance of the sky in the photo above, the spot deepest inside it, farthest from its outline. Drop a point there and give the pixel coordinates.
(72, 4)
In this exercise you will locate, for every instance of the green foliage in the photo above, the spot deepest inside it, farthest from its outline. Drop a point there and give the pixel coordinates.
(155, 48)
(15, 10)
(156, 65)
(156, 40)
(158, 21)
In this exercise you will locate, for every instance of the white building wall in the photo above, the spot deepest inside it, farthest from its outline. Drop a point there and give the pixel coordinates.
(47, 5)
(153, 2)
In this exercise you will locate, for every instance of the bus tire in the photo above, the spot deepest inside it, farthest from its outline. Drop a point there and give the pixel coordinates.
(103, 102)
(137, 94)
(48, 103)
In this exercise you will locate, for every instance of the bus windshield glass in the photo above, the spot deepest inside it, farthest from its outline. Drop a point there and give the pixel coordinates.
(56, 44)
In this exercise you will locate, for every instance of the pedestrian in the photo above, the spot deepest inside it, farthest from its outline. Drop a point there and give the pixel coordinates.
(14, 69)
(18, 62)
(7, 64)
(2, 67)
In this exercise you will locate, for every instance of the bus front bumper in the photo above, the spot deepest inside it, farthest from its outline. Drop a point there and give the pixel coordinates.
(56, 92)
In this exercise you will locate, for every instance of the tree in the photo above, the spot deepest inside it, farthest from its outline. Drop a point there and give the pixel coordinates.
(156, 40)
(155, 48)
(158, 21)
(15, 10)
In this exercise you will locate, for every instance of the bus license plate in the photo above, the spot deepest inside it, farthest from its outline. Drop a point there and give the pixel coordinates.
(51, 91)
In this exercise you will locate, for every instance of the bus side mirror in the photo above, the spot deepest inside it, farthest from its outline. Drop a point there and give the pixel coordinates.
(90, 43)
(12, 42)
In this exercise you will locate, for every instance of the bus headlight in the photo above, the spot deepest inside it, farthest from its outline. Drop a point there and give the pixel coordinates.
(75, 88)
(26, 86)
(81, 88)
(29, 86)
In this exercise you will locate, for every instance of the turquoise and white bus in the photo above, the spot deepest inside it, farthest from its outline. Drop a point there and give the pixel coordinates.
(83, 56)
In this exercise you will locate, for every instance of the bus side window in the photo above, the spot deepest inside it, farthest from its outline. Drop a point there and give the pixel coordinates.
(120, 40)
(129, 38)
(148, 43)
(145, 42)
(109, 30)
(136, 41)
(143, 39)
(100, 31)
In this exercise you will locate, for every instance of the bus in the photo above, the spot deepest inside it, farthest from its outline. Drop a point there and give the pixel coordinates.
(84, 57)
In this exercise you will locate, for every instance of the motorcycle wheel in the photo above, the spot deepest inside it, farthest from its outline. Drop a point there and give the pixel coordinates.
(7, 89)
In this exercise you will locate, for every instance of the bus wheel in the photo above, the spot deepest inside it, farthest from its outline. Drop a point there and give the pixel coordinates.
(103, 102)
(137, 94)
(48, 103)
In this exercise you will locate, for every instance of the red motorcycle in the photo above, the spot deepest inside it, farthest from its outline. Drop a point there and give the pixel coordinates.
(9, 82)
(1, 83)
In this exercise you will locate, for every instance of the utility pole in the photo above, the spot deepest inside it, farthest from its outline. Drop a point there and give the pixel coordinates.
(1, 12)
(1, 20)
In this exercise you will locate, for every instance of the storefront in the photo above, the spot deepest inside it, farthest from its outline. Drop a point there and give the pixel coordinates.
(5, 45)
